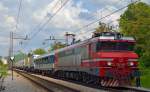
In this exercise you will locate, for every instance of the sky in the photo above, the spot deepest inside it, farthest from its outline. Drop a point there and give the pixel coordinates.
(35, 13)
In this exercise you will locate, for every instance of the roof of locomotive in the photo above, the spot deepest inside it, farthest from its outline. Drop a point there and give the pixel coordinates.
(94, 39)
(101, 38)
(43, 56)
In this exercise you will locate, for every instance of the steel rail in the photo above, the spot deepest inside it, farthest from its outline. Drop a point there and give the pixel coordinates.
(52, 87)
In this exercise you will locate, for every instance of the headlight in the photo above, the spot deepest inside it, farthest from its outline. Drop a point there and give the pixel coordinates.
(131, 63)
(109, 63)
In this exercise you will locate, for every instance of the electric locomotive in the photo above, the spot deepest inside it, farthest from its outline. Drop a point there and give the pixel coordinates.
(106, 59)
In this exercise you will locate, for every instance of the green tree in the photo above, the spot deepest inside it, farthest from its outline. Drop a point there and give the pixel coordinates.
(135, 21)
(3, 69)
(39, 51)
(1, 63)
(20, 56)
(57, 45)
(102, 28)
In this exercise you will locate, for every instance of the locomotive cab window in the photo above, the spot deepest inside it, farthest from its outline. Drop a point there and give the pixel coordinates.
(114, 46)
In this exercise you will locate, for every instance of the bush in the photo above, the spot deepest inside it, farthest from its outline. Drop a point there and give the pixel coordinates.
(3, 74)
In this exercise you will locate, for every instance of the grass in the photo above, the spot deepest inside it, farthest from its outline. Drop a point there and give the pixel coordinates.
(3, 70)
(145, 78)
(3, 74)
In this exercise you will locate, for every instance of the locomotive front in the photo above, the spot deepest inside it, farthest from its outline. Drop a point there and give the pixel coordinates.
(118, 63)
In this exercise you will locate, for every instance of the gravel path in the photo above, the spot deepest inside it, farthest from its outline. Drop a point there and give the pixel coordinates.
(21, 84)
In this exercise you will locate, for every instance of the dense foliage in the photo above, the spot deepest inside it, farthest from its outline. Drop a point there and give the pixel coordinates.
(39, 51)
(57, 45)
(103, 28)
(3, 69)
(20, 56)
(135, 21)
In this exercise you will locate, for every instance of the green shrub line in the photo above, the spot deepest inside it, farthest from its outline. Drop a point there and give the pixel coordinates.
(3, 74)
(145, 77)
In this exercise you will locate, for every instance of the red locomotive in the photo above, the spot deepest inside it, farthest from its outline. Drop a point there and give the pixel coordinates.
(107, 59)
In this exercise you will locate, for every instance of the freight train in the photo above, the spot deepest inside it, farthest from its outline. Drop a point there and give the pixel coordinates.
(106, 59)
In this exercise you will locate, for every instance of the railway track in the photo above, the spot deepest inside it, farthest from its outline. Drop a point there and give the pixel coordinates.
(128, 89)
(115, 89)
(55, 85)
(52, 87)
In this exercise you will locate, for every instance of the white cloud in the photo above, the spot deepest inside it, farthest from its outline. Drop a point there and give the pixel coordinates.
(10, 21)
(42, 12)
(69, 19)
(109, 2)
(147, 1)
(2, 8)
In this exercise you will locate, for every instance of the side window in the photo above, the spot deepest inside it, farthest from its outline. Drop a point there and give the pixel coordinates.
(60, 54)
(94, 47)
(66, 53)
(84, 52)
(51, 59)
(98, 44)
(46, 60)
(77, 50)
(69, 52)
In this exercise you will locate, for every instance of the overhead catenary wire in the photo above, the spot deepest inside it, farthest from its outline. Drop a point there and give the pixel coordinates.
(44, 24)
(40, 29)
(85, 26)
(43, 20)
(101, 19)
(92, 29)
(18, 14)
(61, 2)
(39, 24)
(104, 17)
(17, 22)
(92, 17)
(50, 18)
(119, 1)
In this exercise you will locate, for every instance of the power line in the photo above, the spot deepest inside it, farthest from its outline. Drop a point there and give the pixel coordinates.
(18, 15)
(40, 29)
(92, 29)
(52, 38)
(104, 17)
(16, 27)
(101, 19)
(38, 25)
(108, 8)
(50, 18)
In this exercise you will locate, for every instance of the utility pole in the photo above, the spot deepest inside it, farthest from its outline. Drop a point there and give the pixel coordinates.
(11, 52)
(11, 55)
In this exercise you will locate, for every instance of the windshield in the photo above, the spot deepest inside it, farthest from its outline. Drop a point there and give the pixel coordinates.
(115, 46)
